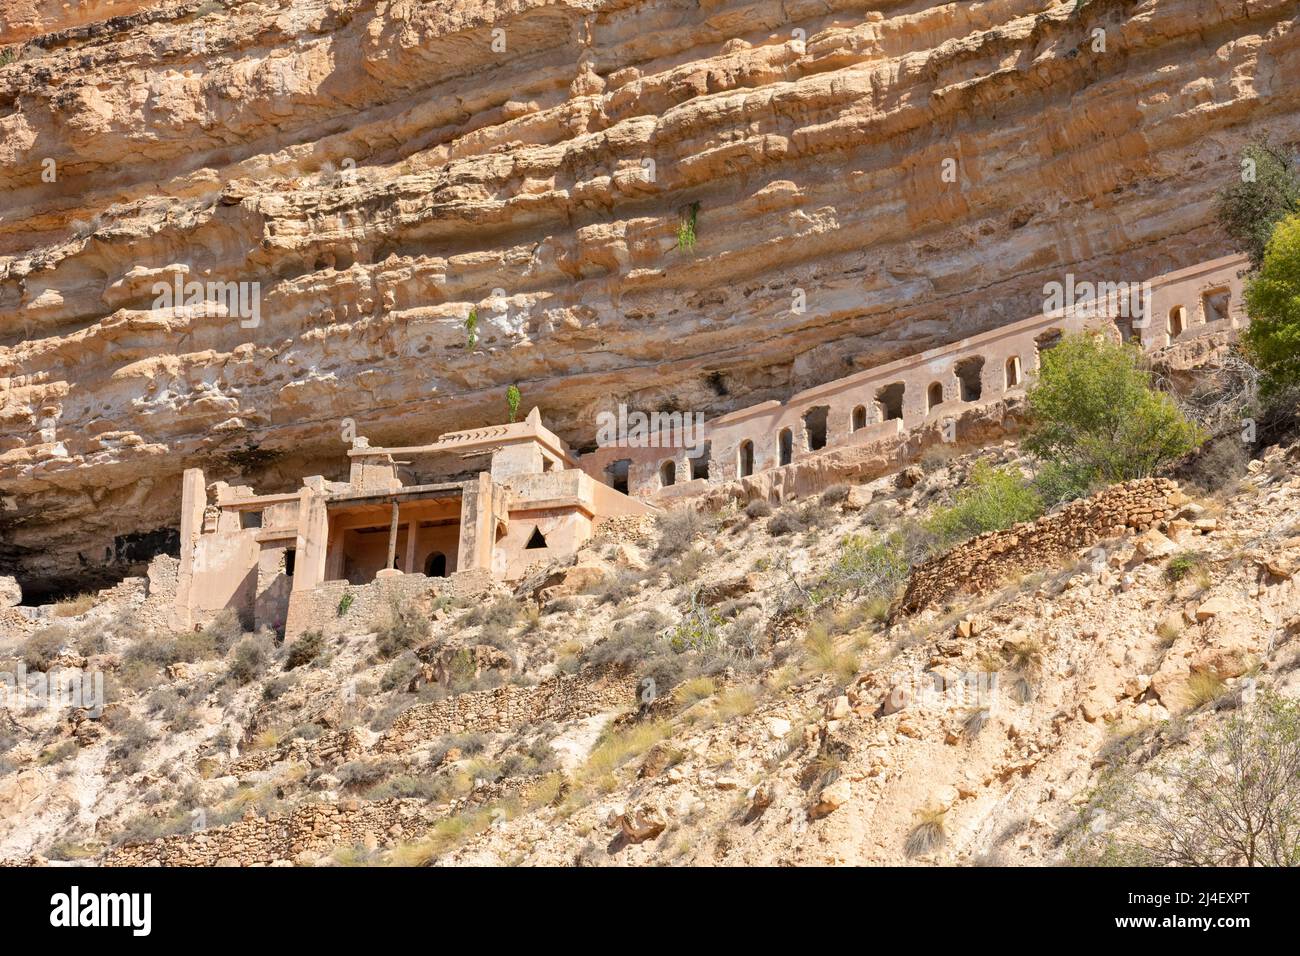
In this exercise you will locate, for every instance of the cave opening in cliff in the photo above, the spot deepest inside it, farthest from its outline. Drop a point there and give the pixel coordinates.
(814, 424)
(785, 445)
(889, 401)
(128, 556)
(970, 374)
(667, 473)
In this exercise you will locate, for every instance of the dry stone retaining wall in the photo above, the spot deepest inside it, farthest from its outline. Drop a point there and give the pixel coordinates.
(566, 697)
(984, 562)
(315, 828)
(333, 746)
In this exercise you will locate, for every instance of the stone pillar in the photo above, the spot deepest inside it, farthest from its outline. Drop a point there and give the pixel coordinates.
(412, 528)
(312, 542)
(392, 539)
(477, 524)
(194, 501)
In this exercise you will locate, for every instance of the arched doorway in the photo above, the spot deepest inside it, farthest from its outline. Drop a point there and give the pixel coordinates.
(435, 565)
(746, 458)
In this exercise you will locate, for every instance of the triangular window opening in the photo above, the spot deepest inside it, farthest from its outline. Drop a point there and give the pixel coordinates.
(536, 541)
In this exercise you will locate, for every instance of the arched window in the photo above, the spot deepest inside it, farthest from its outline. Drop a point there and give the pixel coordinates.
(933, 396)
(667, 473)
(859, 417)
(745, 458)
(786, 446)
(435, 565)
(1013, 371)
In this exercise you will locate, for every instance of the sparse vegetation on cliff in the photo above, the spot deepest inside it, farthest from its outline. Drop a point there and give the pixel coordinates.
(1097, 419)
(1273, 301)
(1234, 801)
(1264, 192)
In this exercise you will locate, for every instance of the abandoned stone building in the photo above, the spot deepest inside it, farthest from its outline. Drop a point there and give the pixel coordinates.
(268, 556)
(285, 560)
(920, 389)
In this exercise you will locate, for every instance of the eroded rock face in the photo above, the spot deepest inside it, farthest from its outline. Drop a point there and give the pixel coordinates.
(379, 170)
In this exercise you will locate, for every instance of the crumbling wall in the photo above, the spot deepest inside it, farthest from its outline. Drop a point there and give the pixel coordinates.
(315, 828)
(332, 747)
(985, 561)
(566, 697)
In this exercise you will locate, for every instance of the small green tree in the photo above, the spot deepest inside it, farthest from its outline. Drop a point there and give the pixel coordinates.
(1096, 419)
(992, 498)
(1266, 192)
(512, 399)
(1272, 339)
(471, 328)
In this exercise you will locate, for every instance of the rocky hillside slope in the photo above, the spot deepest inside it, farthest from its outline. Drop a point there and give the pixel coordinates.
(715, 688)
(383, 167)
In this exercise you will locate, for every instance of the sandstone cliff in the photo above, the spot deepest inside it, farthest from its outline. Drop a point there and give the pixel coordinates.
(382, 167)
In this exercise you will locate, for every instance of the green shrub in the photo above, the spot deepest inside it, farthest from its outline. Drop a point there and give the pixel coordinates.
(1096, 418)
(404, 627)
(866, 568)
(41, 649)
(688, 567)
(992, 498)
(1181, 565)
(1248, 211)
(249, 660)
(1272, 340)
(700, 629)
(304, 650)
(678, 530)
(1233, 801)
(225, 630)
